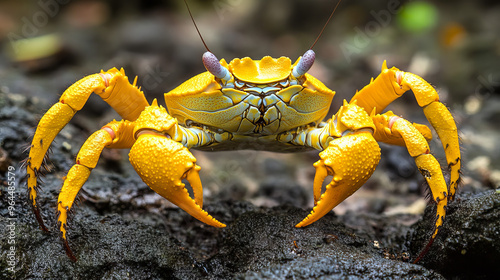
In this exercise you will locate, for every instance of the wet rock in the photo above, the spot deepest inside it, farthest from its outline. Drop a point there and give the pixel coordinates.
(258, 243)
(264, 244)
(467, 247)
(107, 247)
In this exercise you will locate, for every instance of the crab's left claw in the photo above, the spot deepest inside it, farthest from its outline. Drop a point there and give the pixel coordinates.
(162, 163)
(351, 160)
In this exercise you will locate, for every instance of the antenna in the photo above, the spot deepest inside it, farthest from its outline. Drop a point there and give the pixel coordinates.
(324, 26)
(210, 61)
(196, 26)
(307, 60)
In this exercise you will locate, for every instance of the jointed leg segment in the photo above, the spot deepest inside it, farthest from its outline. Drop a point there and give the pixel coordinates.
(78, 174)
(429, 167)
(125, 98)
(392, 84)
(387, 87)
(112, 135)
(112, 86)
(51, 124)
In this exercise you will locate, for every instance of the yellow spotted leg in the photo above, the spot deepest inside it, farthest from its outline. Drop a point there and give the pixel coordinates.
(162, 163)
(113, 135)
(78, 174)
(393, 83)
(390, 85)
(112, 86)
(351, 160)
(427, 164)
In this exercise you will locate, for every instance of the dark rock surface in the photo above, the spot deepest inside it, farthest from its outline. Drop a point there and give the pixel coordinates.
(469, 245)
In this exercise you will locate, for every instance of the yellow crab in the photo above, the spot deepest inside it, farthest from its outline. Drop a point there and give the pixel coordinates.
(268, 104)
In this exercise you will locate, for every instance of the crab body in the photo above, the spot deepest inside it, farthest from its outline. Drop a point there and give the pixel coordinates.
(254, 108)
(267, 104)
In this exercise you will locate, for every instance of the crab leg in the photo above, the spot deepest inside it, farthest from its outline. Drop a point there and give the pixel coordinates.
(112, 86)
(162, 163)
(115, 134)
(390, 85)
(351, 160)
(427, 164)
(418, 148)
(78, 174)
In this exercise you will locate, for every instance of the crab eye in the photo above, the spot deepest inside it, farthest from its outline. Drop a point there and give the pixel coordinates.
(213, 66)
(305, 63)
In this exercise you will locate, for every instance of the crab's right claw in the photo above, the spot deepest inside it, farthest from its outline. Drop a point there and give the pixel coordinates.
(162, 163)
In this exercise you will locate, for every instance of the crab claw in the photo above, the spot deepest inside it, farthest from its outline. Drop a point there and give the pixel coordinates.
(351, 160)
(162, 163)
